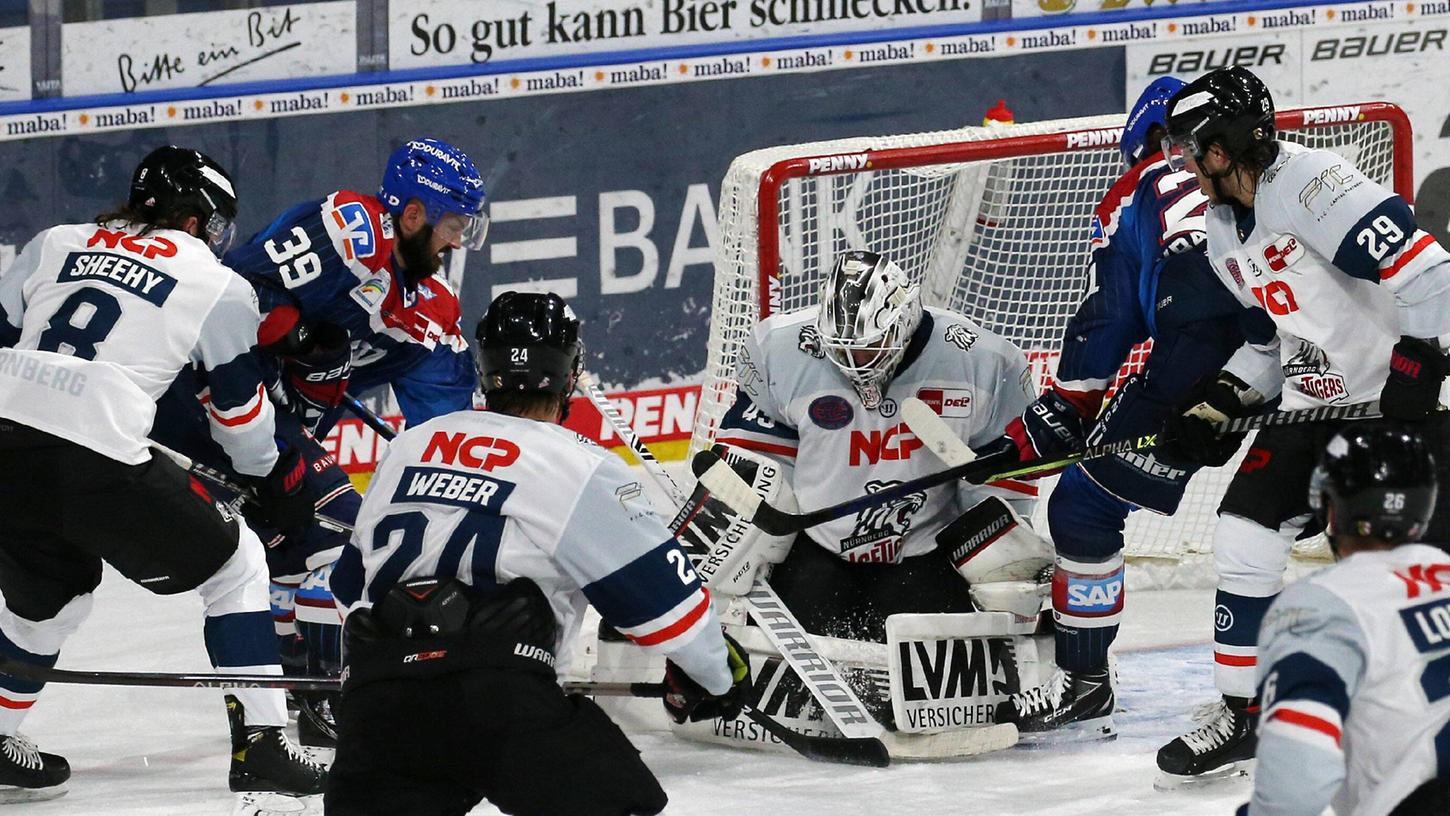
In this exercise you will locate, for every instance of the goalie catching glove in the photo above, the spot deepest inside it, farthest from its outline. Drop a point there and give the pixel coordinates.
(1193, 434)
(687, 700)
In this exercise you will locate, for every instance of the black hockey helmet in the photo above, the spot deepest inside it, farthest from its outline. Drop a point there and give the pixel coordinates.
(177, 181)
(529, 341)
(1229, 106)
(1377, 480)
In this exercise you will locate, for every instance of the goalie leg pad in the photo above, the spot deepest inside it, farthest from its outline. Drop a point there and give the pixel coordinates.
(990, 542)
(950, 671)
(735, 550)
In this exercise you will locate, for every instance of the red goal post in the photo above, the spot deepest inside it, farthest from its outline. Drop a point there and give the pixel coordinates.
(994, 221)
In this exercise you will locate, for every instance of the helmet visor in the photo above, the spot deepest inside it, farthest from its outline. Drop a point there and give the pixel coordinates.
(469, 231)
(220, 233)
(1178, 148)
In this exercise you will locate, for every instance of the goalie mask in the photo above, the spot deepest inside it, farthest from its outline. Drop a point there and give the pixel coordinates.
(869, 310)
(1375, 480)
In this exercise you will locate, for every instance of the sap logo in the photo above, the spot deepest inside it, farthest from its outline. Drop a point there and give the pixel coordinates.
(1433, 577)
(1331, 116)
(947, 402)
(1094, 596)
(1276, 298)
(483, 452)
(356, 230)
(148, 247)
(892, 445)
(1281, 254)
(837, 164)
(1094, 138)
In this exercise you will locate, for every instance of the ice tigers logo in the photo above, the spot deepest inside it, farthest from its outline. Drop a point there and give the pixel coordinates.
(879, 530)
(961, 337)
(809, 341)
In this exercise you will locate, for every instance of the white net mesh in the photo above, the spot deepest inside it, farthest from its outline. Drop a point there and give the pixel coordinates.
(1002, 240)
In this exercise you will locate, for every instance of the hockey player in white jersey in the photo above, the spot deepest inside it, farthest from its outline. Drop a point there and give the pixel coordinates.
(1356, 701)
(1358, 294)
(480, 540)
(819, 393)
(95, 322)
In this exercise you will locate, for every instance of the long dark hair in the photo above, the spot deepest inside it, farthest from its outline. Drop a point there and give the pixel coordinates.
(131, 215)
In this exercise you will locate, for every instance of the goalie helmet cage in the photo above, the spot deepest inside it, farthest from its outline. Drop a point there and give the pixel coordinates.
(994, 222)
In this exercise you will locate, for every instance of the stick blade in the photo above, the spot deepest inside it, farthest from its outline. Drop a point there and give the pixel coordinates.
(867, 751)
(955, 744)
(936, 435)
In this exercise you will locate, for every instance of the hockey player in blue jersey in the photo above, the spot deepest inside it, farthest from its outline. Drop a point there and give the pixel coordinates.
(349, 301)
(1149, 279)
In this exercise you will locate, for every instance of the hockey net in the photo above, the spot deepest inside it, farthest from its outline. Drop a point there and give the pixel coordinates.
(993, 221)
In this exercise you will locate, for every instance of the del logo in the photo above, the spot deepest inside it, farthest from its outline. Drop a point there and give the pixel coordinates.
(148, 247)
(1097, 237)
(1283, 253)
(356, 231)
(831, 412)
(947, 402)
(483, 452)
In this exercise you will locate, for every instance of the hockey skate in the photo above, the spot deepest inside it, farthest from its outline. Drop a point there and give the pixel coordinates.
(1221, 747)
(1069, 706)
(317, 719)
(263, 759)
(27, 774)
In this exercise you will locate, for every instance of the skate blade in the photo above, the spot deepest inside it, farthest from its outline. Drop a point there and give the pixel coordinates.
(277, 804)
(1100, 729)
(1167, 782)
(17, 795)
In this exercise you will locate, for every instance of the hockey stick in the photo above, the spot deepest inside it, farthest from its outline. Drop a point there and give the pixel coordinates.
(368, 418)
(224, 480)
(40, 674)
(590, 386)
(844, 750)
(719, 478)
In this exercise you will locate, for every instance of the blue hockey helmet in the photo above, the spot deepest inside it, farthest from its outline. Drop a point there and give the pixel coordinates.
(444, 180)
(1150, 109)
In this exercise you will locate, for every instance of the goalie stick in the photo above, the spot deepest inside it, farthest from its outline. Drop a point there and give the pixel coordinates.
(719, 478)
(843, 750)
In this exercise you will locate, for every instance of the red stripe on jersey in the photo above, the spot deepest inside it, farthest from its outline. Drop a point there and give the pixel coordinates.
(1118, 196)
(18, 705)
(1025, 488)
(1425, 241)
(242, 419)
(679, 626)
(750, 444)
(1235, 660)
(200, 489)
(1309, 721)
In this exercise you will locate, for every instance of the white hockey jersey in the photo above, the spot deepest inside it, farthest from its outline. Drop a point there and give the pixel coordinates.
(100, 319)
(1355, 683)
(1338, 264)
(487, 498)
(796, 407)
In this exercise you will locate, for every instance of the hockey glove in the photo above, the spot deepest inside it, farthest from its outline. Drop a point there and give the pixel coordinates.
(313, 383)
(1049, 427)
(1417, 370)
(1192, 435)
(687, 700)
(285, 500)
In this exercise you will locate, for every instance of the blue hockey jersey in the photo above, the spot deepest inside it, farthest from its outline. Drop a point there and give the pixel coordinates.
(331, 260)
(1149, 214)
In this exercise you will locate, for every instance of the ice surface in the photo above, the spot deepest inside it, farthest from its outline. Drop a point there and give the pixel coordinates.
(164, 751)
